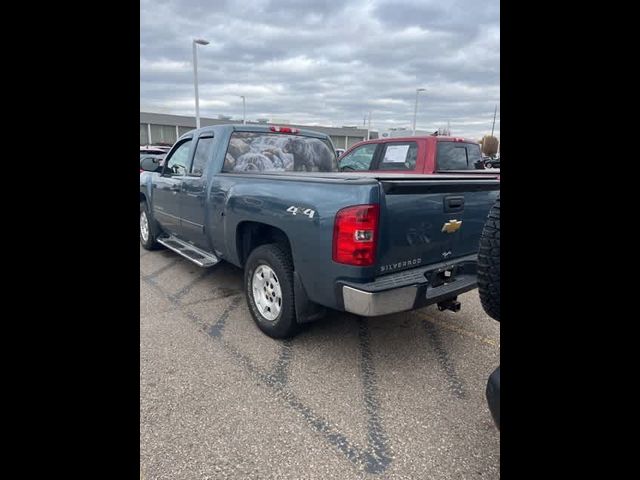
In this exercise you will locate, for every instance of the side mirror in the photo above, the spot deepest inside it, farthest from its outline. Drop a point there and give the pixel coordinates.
(150, 164)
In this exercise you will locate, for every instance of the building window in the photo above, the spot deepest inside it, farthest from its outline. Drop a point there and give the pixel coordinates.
(353, 141)
(338, 142)
(144, 139)
(163, 134)
(183, 130)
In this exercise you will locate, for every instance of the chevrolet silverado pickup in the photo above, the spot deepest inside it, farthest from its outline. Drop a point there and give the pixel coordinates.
(271, 200)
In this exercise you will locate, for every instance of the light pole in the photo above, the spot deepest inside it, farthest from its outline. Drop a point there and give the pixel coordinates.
(494, 119)
(244, 110)
(415, 110)
(196, 42)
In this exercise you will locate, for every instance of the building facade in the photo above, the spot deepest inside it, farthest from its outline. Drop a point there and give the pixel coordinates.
(160, 128)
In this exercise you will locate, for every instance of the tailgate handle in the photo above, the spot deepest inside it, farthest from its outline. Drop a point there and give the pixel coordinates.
(453, 204)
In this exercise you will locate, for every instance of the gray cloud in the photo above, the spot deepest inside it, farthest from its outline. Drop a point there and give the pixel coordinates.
(326, 62)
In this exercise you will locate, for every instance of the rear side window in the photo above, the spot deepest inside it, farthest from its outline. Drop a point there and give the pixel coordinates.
(275, 152)
(399, 156)
(458, 156)
(204, 151)
(474, 156)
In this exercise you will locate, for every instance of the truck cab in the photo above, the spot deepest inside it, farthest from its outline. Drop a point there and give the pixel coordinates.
(414, 155)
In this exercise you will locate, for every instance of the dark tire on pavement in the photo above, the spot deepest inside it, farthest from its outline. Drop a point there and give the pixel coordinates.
(489, 263)
(268, 280)
(149, 229)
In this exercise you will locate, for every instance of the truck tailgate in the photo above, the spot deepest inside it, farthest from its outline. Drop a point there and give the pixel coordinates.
(428, 221)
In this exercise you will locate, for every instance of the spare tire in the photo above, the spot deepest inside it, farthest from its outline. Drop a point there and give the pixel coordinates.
(489, 263)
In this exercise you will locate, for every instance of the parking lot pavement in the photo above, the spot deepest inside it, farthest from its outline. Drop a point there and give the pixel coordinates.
(400, 396)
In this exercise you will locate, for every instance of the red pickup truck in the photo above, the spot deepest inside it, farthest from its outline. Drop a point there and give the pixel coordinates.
(420, 154)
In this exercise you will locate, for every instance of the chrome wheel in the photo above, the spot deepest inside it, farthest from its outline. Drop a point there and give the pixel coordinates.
(144, 227)
(267, 294)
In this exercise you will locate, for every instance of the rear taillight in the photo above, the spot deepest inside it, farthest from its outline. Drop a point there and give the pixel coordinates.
(355, 235)
(284, 130)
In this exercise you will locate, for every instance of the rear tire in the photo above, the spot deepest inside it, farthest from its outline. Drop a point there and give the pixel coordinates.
(149, 229)
(488, 165)
(268, 280)
(489, 263)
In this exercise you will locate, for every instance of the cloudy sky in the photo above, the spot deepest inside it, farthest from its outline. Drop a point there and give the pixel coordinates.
(326, 62)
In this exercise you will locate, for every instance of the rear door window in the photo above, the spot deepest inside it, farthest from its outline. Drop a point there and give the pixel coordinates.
(399, 156)
(458, 156)
(256, 152)
(204, 151)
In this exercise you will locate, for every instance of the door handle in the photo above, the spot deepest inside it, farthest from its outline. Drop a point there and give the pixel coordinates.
(453, 204)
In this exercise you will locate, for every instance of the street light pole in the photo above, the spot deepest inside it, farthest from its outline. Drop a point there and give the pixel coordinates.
(415, 110)
(244, 110)
(195, 43)
(494, 119)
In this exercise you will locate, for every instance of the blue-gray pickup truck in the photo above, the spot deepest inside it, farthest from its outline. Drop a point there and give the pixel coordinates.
(272, 201)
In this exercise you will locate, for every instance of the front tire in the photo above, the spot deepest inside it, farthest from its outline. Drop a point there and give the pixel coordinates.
(268, 280)
(489, 263)
(148, 229)
(488, 165)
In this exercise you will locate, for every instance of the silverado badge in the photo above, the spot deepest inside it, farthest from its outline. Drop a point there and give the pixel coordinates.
(452, 226)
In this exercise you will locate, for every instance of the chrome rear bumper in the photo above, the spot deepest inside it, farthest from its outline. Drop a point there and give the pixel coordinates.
(372, 303)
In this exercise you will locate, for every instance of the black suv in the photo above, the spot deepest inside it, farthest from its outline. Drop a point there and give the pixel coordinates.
(492, 162)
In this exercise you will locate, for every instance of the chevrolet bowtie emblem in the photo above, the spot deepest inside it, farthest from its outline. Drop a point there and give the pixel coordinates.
(452, 226)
